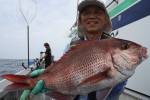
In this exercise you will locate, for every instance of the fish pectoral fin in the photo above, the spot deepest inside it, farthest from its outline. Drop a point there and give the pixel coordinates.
(94, 79)
(103, 94)
(59, 96)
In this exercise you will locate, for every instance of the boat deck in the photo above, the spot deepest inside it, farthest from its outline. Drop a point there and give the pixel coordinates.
(126, 95)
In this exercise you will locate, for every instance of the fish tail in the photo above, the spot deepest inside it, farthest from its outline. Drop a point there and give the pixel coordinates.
(19, 79)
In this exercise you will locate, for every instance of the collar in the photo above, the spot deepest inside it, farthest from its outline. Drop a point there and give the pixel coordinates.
(99, 38)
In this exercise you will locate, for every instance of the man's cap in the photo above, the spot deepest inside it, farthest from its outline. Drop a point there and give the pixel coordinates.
(86, 3)
(99, 4)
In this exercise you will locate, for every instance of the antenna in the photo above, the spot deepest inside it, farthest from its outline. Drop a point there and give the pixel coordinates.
(116, 1)
(26, 8)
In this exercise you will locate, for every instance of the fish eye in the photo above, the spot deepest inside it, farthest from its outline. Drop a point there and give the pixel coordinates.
(124, 45)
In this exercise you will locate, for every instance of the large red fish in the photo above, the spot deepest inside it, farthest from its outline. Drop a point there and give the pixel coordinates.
(89, 66)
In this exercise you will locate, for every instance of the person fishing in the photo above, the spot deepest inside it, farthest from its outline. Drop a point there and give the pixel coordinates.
(93, 24)
(47, 56)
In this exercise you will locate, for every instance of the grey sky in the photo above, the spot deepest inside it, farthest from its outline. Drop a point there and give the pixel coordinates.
(51, 24)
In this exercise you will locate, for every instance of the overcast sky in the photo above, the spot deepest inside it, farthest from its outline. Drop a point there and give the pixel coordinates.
(51, 24)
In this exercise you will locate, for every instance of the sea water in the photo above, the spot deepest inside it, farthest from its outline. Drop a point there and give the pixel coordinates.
(11, 66)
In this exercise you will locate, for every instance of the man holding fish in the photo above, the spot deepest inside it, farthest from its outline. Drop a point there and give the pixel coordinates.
(95, 66)
(94, 24)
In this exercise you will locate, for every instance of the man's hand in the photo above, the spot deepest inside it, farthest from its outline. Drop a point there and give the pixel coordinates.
(39, 87)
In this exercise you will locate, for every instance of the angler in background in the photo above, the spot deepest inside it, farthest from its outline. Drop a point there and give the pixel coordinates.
(47, 56)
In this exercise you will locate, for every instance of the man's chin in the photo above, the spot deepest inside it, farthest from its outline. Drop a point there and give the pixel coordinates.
(93, 30)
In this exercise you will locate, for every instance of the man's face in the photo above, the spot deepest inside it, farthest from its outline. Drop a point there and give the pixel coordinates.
(93, 19)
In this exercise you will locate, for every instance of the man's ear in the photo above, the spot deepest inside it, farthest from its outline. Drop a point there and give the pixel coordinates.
(79, 20)
(107, 25)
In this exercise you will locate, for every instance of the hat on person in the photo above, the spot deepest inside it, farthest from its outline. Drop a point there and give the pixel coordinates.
(46, 44)
(99, 4)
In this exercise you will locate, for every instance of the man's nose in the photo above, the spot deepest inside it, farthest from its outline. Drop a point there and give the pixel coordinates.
(92, 15)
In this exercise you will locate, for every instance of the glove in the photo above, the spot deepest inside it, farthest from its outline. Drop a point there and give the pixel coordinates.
(39, 87)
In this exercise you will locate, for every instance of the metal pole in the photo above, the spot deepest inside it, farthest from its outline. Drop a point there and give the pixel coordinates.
(28, 20)
(28, 43)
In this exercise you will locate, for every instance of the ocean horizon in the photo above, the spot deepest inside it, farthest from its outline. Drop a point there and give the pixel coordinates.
(12, 66)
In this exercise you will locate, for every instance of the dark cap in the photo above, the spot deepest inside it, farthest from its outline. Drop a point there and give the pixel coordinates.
(46, 44)
(86, 3)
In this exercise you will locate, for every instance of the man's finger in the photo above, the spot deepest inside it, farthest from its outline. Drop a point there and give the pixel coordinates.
(38, 87)
(36, 72)
(25, 95)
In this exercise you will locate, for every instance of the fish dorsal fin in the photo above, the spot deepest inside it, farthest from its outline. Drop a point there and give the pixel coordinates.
(77, 46)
